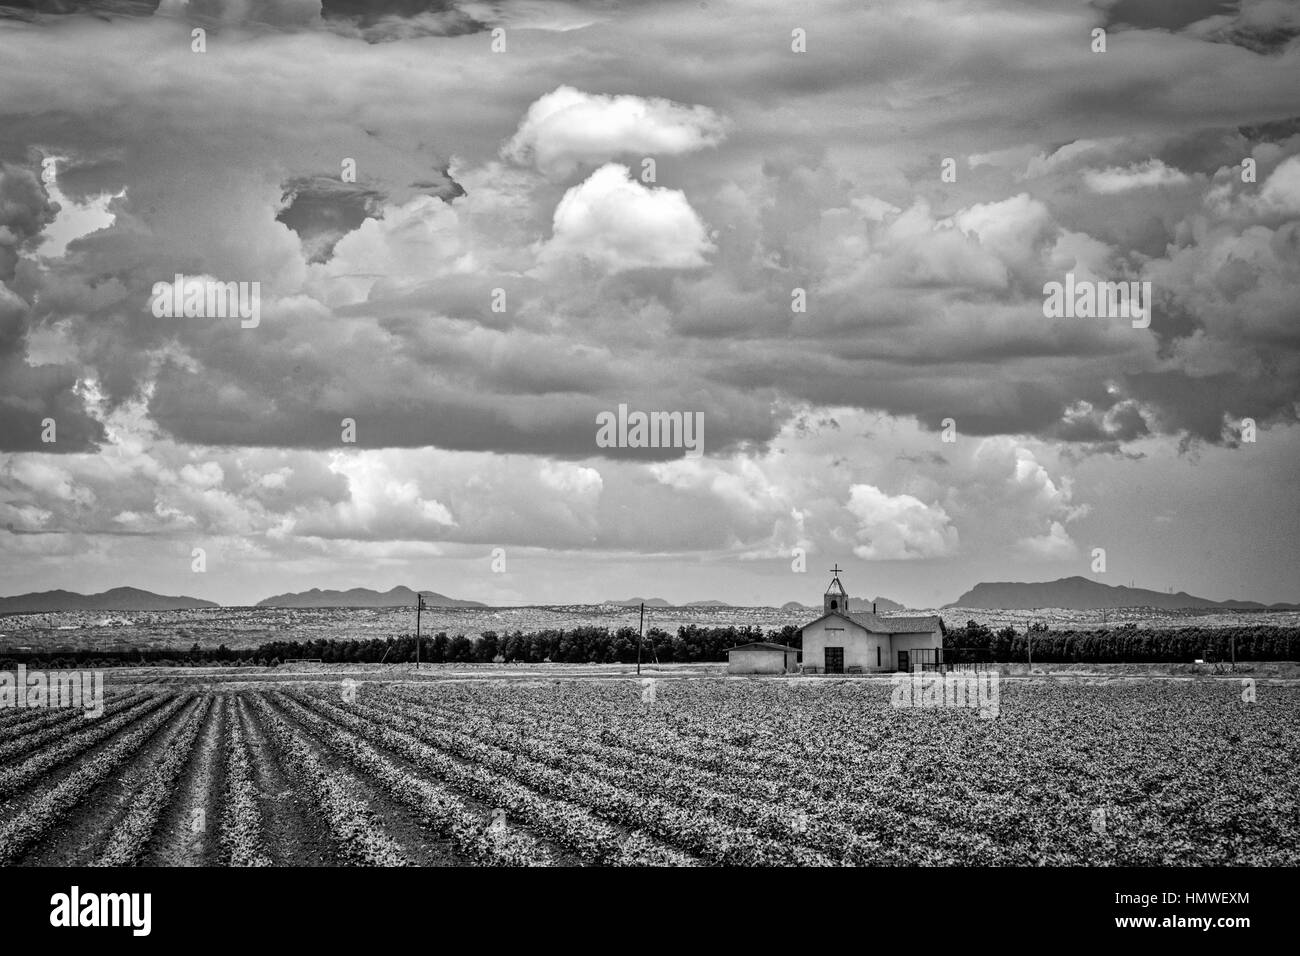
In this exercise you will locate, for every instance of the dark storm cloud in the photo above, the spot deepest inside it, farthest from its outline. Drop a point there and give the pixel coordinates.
(1275, 132)
(988, 399)
(367, 13)
(1166, 14)
(31, 9)
(451, 416)
(25, 210)
(82, 180)
(389, 20)
(371, 20)
(1261, 26)
(114, 532)
(322, 210)
(30, 394)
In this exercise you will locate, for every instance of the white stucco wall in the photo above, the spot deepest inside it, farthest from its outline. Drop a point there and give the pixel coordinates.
(860, 644)
(756, 660)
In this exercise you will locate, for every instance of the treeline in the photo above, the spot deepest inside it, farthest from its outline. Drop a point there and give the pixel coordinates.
(1126, 644)
(579, 645)
(693, 644)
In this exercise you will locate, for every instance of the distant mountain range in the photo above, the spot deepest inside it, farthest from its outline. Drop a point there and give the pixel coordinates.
(363, 597)
(118, 599)
(1082, 594)
(1076, 593)
(882, 604)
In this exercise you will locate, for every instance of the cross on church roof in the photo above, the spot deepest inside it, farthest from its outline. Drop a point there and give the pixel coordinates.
(835, 587)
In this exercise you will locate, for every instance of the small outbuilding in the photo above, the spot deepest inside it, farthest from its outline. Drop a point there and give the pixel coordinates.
(762, 658)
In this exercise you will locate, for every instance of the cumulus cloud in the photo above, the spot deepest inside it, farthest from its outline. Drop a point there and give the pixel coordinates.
(1070, 155)
(1054, 545)
(1013, 229)
(899, 527)
(1280, 194)
(567, 128)
(616, 223)
(1146, 175)
(570, 479)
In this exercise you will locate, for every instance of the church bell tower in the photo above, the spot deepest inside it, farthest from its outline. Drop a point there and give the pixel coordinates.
(836, 600)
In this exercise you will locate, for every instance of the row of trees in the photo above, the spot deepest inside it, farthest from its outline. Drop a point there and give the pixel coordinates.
(580, 645)
(978, 642)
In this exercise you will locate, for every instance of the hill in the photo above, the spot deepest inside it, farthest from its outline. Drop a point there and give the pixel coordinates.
(883, 605)
(1078, 594)
(855, 605)
(116, 599)
(637, 602)
(363, 597)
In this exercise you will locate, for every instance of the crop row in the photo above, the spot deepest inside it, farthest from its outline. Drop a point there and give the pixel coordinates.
(930, 785)
(848, 826)
(351, 823)
(25, 828)
(24, 720)
(438, 809)
(809, 810)
(39, 764)
(571, 826)
(58, 724)
(152, 793)
(241, 820)
(693, 830)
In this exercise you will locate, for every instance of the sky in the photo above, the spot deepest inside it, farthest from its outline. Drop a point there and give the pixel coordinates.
(821, 229)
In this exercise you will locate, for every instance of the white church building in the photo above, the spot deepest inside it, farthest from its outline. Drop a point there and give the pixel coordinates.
(841, 641)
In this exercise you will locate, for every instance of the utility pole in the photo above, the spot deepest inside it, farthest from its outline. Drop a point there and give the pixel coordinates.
(419, 606)
(639, 635)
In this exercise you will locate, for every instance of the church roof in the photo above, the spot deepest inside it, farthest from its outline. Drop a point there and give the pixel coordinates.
(918, 624)
(765, 645)
(922, 624)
